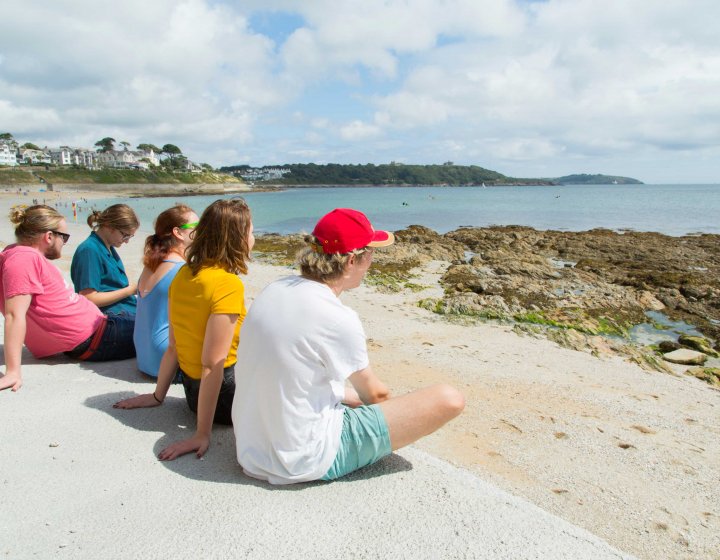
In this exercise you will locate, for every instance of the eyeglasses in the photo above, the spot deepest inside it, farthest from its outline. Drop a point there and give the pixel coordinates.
(126, 236)
(65, 236)
(190, 225)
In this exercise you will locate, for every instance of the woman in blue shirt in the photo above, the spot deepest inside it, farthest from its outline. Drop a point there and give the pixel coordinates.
(164, 255)
(97, 271)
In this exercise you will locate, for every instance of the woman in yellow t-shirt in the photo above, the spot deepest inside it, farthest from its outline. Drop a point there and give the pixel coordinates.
(206, 306)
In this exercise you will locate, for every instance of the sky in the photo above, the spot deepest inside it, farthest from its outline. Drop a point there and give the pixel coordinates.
(523, 87)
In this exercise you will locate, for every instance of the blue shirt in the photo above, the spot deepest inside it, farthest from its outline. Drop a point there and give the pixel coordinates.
(151, 324)
(98, 268)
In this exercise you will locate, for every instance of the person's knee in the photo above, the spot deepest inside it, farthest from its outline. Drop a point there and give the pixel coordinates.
(452, 400)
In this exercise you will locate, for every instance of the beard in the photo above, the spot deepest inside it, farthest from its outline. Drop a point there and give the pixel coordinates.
(52, 253)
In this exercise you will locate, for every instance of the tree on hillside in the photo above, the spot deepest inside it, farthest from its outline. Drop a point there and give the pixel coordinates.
(125, 145)
(149, 147)
(174, 158)
(107, 144)
(171, 151)
(6, 136)
(29, 146)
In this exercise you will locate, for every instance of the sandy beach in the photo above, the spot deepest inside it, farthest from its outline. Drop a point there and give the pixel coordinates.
(575, 451)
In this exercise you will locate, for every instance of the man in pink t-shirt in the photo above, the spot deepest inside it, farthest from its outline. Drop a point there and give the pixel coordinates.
(41, 310)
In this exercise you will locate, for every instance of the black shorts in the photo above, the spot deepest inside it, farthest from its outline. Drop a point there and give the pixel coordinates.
(223, 409)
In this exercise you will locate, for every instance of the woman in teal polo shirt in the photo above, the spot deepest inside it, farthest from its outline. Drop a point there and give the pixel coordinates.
(97, 271)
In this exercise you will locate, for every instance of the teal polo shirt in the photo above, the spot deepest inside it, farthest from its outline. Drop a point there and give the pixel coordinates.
(96, 267)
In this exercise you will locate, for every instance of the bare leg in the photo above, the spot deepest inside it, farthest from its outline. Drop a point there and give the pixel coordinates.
(420, 413)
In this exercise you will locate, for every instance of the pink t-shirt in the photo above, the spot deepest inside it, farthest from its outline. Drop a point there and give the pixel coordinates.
(58, 319)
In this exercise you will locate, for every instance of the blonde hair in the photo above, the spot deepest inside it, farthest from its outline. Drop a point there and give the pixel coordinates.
(117, 216)
(221, 237)
(32, 221)
(320, 266)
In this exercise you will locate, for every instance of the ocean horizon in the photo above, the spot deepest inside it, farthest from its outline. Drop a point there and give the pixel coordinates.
(671, 209)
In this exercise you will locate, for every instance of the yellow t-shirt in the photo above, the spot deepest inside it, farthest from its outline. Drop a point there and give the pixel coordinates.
(191, 301)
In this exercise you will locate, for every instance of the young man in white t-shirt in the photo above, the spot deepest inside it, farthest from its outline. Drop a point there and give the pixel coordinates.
(293, 418)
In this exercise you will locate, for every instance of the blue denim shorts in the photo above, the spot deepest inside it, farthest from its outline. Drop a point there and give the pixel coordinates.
(365, 440)
(116, 342)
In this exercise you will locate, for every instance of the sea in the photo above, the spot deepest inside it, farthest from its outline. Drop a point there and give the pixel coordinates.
(670, 209)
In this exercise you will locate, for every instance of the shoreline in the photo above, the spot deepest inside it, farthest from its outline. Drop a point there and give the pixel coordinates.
(630, 455)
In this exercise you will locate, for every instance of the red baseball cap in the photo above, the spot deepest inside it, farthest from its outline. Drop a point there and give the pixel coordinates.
(344, 230)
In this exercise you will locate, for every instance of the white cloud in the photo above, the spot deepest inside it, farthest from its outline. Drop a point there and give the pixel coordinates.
(15, 118)
(181, 72)
(507, 84)
(358, 130)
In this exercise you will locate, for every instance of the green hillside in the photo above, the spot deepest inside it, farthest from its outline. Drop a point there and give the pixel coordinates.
(585, 179)
(391, 174)
(15, 176)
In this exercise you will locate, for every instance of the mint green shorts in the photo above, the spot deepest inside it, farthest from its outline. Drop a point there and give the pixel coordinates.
(364, 440)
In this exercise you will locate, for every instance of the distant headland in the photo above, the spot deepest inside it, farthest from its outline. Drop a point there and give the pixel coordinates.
(398, 174)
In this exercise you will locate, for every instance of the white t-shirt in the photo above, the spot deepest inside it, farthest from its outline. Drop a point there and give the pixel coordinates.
(298, 345)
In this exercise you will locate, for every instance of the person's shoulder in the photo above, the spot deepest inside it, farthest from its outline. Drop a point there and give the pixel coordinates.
(21, 253)
(231, 280)
(21, 261)
(216, 278)
(89, 244)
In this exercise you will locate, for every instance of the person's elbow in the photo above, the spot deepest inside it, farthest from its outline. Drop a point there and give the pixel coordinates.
(377, 395)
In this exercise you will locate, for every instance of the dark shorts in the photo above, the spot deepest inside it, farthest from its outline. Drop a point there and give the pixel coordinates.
(223, 410)
(112, 341)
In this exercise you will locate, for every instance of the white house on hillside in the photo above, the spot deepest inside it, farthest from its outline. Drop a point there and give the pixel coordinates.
(33, 157)
(264, 173)
(61, 156)
(127, 159)
(65, 155)
(7, 154)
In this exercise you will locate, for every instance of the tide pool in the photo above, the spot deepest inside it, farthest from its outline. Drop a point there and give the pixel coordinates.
(668, 209)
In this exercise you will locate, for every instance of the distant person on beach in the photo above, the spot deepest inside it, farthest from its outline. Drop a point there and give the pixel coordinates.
(164, 255)
(97, 271)
(206, 306)
(294, 418)
(41, 310)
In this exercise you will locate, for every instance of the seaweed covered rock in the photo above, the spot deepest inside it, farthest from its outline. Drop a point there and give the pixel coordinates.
(600, 272)
(666, 346)
(698, 343)
(709, 375)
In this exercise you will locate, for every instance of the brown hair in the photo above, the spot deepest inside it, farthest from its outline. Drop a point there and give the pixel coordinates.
(32, 221)
(117, 216)
(159, 244)
(320, 266)
(221, 237)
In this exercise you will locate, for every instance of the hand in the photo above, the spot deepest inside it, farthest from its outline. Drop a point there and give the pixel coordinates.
(11, 381)
(141, 401)
(132, 286)
(197, 443)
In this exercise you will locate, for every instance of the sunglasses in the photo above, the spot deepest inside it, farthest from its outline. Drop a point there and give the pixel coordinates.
(65, 236)
(190, 225)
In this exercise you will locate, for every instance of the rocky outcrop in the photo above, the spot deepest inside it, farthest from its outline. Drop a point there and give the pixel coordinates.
(686, 357)
(572, 286)
(709, 375)
(599, 278)
(698, 343)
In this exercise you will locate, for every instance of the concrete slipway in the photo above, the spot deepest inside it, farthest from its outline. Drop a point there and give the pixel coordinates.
(79, 479)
